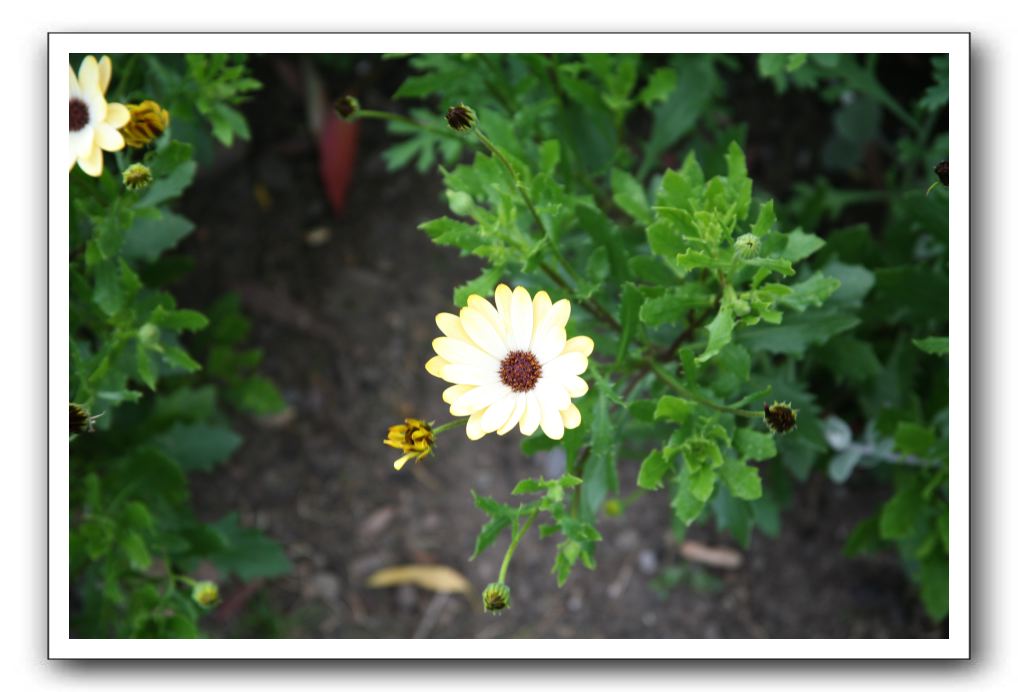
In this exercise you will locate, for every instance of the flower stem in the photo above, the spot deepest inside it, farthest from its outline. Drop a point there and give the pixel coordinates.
(512, 547)
(454, 423)
(692, 396)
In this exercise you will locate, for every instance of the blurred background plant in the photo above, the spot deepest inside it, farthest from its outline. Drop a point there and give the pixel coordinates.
(149, 380)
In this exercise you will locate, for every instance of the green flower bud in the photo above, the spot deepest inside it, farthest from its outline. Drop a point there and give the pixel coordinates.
(461, 118)
(137, 176)
(613, 508)
(346, 106)
(780, 416)
(747, 246)
(495, 597)
(205, 594)
(148, 333)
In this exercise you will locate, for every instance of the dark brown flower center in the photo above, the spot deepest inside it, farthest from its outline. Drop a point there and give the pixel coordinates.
(79, 114)
(520, 371)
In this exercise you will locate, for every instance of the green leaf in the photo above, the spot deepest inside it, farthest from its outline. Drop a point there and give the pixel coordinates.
(719, 334)
(108, 293)
(935, 345)
(898, 516)
(136, 551)
(179, 320)
(150, 236)
(660, 84)
(653, 470)
(600, 476)
(742, 479)
(483, 285)
(934, 586)
(687, 507)
(171, 186)
(911, 438)
(673, 408)
(257, 395)
(198, 446)
(146, 369)
(755, 445)
(629, 195)
(734, 515)
(800, 245)
(246, 552)
(765, 219)
(178, 357)
(673, 305)
(631, 301)
(797, 331)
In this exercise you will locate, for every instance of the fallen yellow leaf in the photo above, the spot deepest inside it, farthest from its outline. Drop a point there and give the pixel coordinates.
(432, 577)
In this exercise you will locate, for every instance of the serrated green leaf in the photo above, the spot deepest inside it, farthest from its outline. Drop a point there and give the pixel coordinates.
(653, 470)
(898, 516)
(662, 81)
(755, 445)
(797, 331)
(742, 479)
(247, 552)
(800, 245)
(198, 446)
(483, 285)
(719, 334)
(911, 438)
(765, 219)
(151, 236)
(673, 305)
(673, 408)
(629, 195)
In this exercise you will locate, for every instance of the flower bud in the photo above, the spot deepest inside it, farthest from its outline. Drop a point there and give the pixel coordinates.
(346, 106)
(747, 246)
(81, 419)
(941, 170)
(495, 597)
(780, 416)
(613, 508)
(137, 176)
(148, 121)
(414, 438)
(461, 118)
(205, 593)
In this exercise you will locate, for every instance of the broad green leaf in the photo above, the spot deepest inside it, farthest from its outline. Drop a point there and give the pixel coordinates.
(734, 515)
(810, 293)
(198, 446)
(687, 507)
(910, 438)
(653, 470)
(178, 320)
(151, 236)
(135, 550)
(673, 408)
(257, 395)
(797, 331)
(934, 586)
(673, 305)
(755, 445)
(246, 552)
(719, 334)
(800, 245)
(630, 196)
(600, 476)
(935, 345)
(898, 516)
(742, 479)
(765, 219)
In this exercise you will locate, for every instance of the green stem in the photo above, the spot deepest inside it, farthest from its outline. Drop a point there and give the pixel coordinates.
(454, 423)
(692, 396)
(512, 547)
(398, 118)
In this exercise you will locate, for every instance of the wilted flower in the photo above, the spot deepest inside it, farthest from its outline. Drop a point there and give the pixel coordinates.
(80, 419)
(941, 170)
(780, 416)
(461, 118)
(93, 121)
(205, 593)
(511, 364)
(415, 438)
(148, 121)
(495, 597)
(137, 176)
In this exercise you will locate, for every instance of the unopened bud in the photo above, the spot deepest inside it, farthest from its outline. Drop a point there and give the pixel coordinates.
(137, 176)
(495, 597)
(747, 246)
(461, 118)
(346, 106)
(205, 594)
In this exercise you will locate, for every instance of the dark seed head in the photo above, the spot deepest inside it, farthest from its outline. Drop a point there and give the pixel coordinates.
(520, 371)
(941, 170)
(780, 417)
(79, 114)
(345, 106)
(461, 118)
(80, 420)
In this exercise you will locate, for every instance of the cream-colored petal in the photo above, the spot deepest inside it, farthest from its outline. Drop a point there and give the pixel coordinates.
(551, 423)
(571, 417)
(96, 106)
(503, 303)
(451, 394)
(559, 368)
(482, 332)
(522, 317)
(436, 365)
(82, 141)
(488, 311)
(576, 386)
(456, 351)
(72, 86)
(108, 138)
(450, 326)
(92, 163)
(88, 74)
(542, 306)
(474, 431)
(531, 415)
(552, 395)
(479, 399)
(498, 413)
(549, 345)
(117, 115)
(518, 408)
(74, 159)
(555, 319)
(459, 373)
(580, 344)
(105, 73)
(399, 463)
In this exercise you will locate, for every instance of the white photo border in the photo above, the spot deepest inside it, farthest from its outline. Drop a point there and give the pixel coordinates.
(956, 45)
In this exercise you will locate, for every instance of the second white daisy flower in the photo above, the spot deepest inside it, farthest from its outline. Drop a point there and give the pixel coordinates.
(511, 364)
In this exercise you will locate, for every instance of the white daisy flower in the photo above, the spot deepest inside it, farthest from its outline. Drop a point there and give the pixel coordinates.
(511, 364)
(93, 122)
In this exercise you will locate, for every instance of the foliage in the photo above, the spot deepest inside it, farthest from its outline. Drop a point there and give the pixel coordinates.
(136, 367)
(621, 182)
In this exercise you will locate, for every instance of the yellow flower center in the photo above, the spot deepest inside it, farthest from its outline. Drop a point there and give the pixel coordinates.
(520, 371)
(79, 114)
